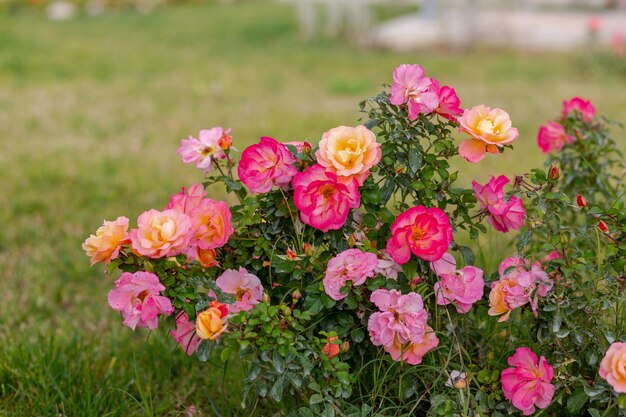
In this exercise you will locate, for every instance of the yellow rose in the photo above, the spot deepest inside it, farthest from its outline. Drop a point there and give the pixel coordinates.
(211, 323)
(349, 152)
(106, 243)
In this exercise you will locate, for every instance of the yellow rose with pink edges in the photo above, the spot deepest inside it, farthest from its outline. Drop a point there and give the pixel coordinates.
(349, 152)
(105, 245)
(490, 129)
(613, 367)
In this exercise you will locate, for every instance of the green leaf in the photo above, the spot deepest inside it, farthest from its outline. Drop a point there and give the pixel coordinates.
(276, 393)
(415, 161)
(576, 401)
(468, 255)
(316, 399)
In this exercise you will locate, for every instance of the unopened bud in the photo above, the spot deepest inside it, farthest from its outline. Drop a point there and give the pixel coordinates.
(266, 298)
(554, 173)
(603, 226)
(308, 249)
(581, 201)
(460, 383)
(291, 255)
(344, 346)
(296, 295)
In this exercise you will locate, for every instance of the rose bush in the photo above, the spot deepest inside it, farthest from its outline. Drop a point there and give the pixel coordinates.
(346, 277)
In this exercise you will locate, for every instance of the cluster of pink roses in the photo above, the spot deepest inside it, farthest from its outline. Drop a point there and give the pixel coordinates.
(552, 136)
(520, 283)
(503, 215)
(400, 326)
(325, 192)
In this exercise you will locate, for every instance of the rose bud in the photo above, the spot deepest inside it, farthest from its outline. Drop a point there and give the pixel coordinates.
(603, 226)
(266, 298)
(296, 295)
(554, 173)
(581, 201)
(330, 349)
(344, 346)
(226, 141)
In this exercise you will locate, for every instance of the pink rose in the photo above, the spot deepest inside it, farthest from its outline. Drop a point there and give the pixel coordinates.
(527, 384)
(613, 367)
(400, 325)
(187, 199)
(266, 164)
(324, 202)
(204, 150)
(185, 334)
(519, 284)
(105, 245)
(425, 232)
(445, 265)
(507, 215)
(245, 286)
(412, 87)
(462, 288)
(137, 297)
(503, 215)
(584, 107)
(211, 224)
(161, 233)
(349, 152)
(350, 265)
(552, 137)
(449, 103)
(490, 128)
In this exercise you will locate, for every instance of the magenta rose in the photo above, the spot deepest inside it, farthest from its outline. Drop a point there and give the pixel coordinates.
(323, 201)
(424, 232)
(266, 164)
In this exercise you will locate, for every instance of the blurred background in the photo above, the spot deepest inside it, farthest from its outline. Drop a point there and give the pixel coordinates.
(95, 96)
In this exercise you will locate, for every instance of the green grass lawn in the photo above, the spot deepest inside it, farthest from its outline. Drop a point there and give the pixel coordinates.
(91, 113)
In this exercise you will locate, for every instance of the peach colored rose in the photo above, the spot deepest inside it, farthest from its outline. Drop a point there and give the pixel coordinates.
(349, 152)
(490, 129)
(106, 243)
(161, 233)
(613, 367)
(211, 323)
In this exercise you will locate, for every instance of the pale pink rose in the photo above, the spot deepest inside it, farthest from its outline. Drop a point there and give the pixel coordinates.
(461, 288)
(105, 245)
(187, 199)
(425, 232)
(211, 224)
(449, 103)
(412, 87)
(527, 384)
(324, 202)
(445, 265)
(386, 266)
(161, 233)
(552, 137)
(137, 297)
(613, 367)
(350, 265)
(349, 152)
(490, 129)
(246, 287)
(185, 334)
(266, 164)
(400, 315)
(204, 150)
(414, 352)
(584, 107)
